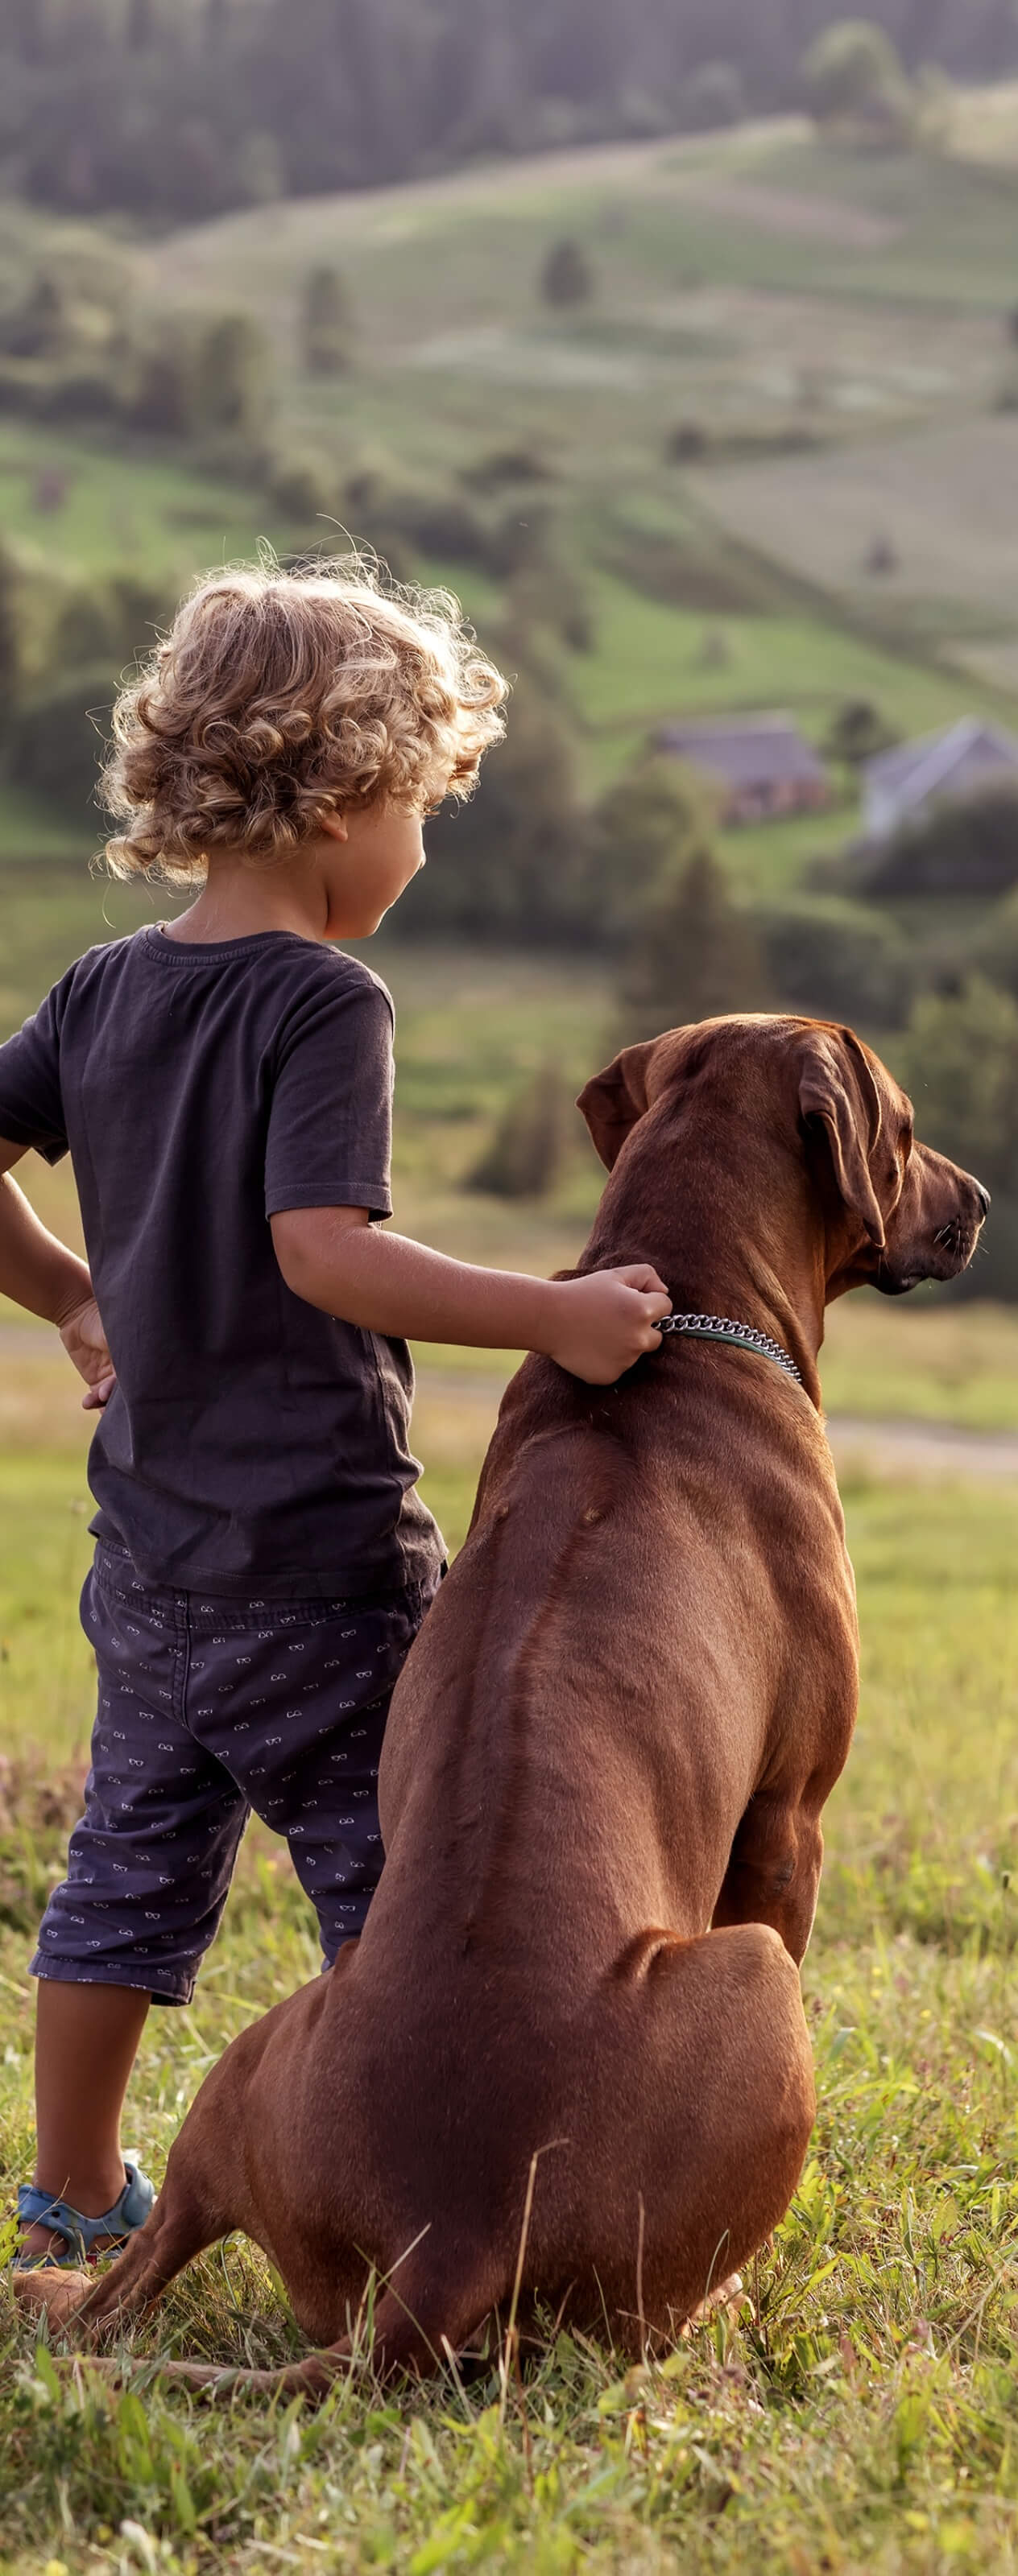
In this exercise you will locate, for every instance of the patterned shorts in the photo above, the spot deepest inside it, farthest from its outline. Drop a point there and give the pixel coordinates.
(208, 1708)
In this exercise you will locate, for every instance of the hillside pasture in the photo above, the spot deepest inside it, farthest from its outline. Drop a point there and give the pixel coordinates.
(650, 661)
(949, 220)
(716, 264)
(992, 665)
(946, 499)
(746, 362)
(146, 510)
(984, 125)
(735, 205)
(830, 325)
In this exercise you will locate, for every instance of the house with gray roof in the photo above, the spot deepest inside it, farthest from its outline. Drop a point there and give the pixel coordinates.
(762, 764)
(900, 785)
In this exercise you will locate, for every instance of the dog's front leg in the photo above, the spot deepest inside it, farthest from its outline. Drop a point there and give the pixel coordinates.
(773, 1872)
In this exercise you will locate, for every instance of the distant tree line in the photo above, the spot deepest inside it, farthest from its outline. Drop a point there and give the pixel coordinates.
(178, 108)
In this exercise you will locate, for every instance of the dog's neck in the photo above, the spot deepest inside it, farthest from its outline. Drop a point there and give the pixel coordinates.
(727, 1241)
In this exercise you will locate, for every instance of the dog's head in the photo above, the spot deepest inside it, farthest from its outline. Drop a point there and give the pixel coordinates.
(895, 1212)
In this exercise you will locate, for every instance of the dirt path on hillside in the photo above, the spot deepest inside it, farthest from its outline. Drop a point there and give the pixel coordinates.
(784, 210)
(922, 1449)
(890, 1448)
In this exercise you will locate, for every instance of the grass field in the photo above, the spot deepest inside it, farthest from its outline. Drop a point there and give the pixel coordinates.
(855, 2413)
(149, 508)
(947, 495)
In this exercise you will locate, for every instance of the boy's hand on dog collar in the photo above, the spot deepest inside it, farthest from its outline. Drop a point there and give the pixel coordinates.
(606, 1321)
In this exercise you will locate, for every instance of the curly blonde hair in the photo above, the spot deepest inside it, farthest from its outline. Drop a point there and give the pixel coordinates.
(279, 697)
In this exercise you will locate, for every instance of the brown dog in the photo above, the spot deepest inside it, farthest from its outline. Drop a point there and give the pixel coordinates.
(569, 2052)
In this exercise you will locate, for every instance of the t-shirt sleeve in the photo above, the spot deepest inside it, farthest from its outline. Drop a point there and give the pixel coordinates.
(330, 1121)
(31, 1102)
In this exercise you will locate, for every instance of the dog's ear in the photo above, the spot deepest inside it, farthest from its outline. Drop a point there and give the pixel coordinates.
(836, 1085)
(613, 1100)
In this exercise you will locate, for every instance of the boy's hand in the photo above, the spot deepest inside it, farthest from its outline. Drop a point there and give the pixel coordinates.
(607, 1322)
(596, 1326)
(84, 1340)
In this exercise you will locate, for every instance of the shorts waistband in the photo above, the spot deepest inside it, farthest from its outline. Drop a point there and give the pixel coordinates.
(117, 1574)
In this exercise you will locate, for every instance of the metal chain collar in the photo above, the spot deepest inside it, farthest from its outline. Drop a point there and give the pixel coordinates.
(722, 1328)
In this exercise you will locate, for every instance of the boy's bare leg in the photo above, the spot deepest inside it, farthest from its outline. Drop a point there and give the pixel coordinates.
(86, 2040)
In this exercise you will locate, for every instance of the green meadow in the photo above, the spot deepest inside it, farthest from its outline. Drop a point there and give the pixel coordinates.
(856, 2410)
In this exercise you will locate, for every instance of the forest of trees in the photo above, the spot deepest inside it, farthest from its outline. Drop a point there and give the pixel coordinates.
(177, 108)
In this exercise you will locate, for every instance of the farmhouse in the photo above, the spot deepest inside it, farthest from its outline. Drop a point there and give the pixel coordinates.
(763, 765)
(899, 785)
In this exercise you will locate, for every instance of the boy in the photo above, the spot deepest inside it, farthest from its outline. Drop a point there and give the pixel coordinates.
(223, 1083)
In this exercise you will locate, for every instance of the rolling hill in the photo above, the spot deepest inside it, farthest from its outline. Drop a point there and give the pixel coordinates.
(786, 350)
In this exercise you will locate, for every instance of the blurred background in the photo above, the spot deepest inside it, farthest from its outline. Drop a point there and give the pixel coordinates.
(681, 341)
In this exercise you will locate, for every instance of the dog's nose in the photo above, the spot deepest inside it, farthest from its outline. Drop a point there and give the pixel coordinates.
(983, 1197)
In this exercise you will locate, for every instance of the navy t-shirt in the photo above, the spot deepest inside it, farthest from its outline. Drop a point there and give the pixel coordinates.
(253, 1446)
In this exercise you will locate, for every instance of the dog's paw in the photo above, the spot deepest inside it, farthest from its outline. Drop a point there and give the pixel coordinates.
(726, 2300)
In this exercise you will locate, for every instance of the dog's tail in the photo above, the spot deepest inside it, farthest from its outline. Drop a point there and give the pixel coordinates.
(416, 2336)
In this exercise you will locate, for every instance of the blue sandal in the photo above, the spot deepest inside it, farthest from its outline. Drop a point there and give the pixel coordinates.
(79, 2233)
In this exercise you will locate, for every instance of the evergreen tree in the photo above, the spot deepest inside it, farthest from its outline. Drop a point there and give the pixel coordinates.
(10, 634)
(140, 28)
(356, 91)
(713, 96)
(566, 276)
(233, 377)
(853, 71)
(509, 863)
(40, 329)
(693, 954)
(165, 394)
(959, 1061)
(528, 1148)
(259, 169)
(858, 732)
(326, 323)
(643, 833)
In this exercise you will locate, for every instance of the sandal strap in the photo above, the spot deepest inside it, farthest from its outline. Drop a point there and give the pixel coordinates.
(128, 2213)
(38, 2207)
(135, 2202)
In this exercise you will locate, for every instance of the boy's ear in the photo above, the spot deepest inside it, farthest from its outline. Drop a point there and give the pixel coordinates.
(613, 1100)
(336, 825)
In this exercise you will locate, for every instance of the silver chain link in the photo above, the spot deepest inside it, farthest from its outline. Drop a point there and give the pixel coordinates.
(723, 1328)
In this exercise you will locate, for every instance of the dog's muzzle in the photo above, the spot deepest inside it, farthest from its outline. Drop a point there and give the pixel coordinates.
(950, 1250)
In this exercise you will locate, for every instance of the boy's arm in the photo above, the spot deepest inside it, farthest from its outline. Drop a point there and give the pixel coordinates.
(42, 1274)
(596, 1326)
